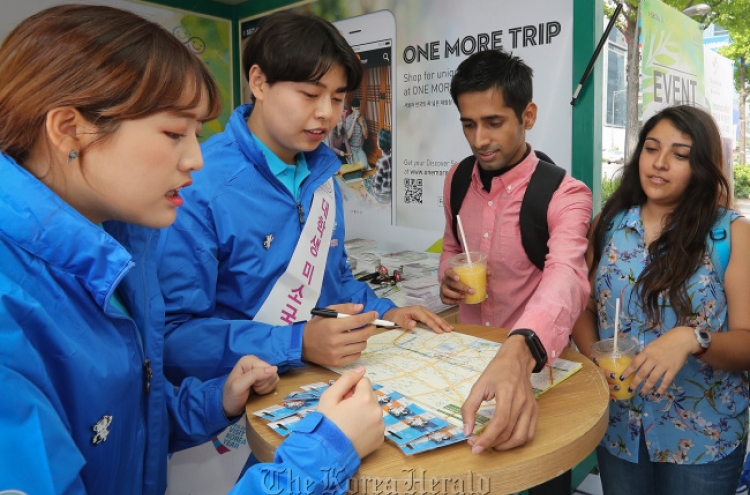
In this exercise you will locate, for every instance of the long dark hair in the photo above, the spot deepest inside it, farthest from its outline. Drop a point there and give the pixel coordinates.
(681, 246)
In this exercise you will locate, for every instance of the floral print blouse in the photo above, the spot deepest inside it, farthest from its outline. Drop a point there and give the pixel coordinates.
(703, 416)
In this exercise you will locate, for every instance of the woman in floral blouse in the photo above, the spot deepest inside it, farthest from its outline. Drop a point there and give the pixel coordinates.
(685, 429)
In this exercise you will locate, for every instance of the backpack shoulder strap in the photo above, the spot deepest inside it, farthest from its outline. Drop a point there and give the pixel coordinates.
(719, 243)
(459, 186)
(533, 217)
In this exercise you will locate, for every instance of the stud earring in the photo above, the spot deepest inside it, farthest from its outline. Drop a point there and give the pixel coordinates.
(72, 155)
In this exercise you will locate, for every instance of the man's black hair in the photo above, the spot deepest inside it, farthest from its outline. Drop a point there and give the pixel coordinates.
(499, 70)
(290, 46)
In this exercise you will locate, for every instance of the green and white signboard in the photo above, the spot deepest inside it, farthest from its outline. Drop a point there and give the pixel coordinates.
(672, 64)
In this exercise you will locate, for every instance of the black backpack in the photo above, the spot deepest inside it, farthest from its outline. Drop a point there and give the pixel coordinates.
(533, 217)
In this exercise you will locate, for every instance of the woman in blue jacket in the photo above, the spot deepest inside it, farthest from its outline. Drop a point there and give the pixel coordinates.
(99, 116)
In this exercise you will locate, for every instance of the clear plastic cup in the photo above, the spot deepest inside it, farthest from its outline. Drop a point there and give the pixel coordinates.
(615, 361)
(473, 274)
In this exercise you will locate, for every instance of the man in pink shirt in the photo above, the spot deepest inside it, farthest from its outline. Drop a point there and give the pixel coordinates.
(493, 91)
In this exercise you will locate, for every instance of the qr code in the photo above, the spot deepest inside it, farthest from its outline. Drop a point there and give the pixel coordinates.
(413, 191)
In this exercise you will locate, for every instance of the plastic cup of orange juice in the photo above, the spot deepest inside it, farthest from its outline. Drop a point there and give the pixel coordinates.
(615, 361)
(473, 274)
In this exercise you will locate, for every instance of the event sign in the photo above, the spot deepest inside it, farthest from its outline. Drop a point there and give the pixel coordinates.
(672, 64)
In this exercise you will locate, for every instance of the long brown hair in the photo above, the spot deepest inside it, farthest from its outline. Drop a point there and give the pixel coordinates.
(680, 248)
(110, 64)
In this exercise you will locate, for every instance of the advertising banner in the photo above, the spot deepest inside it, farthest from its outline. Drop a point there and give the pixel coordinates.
(719, 81)
(672, 64)
(429, 50)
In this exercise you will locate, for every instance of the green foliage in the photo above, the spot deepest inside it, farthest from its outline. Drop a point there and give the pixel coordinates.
(741, 181)
(331, 10)
(723, 12)
(739, 51)
(610, 185)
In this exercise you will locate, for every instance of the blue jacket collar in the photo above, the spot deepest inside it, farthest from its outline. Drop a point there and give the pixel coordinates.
(40, 222)
(322, 162)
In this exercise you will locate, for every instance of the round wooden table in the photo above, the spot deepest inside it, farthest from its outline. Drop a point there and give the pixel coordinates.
(572, 420)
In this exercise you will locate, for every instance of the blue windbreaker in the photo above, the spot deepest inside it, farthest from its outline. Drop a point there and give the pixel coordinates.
(215, 272)
(81, 408)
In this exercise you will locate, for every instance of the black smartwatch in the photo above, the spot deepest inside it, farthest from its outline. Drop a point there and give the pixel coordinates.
(535, 346)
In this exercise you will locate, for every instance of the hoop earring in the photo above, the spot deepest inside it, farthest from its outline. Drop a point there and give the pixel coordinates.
(72, 155)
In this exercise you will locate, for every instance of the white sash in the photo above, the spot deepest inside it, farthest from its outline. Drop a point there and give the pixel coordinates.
(297, 291)
(213, 468)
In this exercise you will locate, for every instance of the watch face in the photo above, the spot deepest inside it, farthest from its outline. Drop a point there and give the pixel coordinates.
(704, 338)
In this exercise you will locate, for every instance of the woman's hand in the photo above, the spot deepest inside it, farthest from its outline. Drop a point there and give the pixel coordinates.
(250, 373)
(661, 360)
(351, 405)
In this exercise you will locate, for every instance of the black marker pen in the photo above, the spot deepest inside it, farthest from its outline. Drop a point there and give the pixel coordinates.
(329, 313)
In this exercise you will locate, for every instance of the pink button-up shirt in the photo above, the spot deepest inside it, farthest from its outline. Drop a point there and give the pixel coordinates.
(519, 295)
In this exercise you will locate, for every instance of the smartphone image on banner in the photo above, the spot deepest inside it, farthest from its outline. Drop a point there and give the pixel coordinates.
(369, 172)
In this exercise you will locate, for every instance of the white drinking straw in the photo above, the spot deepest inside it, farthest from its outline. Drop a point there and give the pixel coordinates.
(617, 324)
(463, 238)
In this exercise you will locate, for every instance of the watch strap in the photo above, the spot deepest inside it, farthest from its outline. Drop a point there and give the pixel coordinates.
(699, 354)
(538, 352)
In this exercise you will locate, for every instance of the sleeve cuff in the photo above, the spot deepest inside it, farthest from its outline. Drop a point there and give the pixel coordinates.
(325, 432)
(216, 418)
(553, 339)
(382, 305)
(294, 354)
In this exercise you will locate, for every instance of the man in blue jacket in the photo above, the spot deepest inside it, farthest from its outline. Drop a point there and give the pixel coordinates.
(238, 269)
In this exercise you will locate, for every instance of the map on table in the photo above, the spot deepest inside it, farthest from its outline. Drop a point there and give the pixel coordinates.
(437, 371)
(420, 379)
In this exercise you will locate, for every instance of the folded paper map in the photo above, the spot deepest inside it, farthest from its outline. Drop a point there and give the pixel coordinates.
(437, 371)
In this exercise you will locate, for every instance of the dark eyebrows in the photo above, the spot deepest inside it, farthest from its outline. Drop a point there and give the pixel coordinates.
(674, 145)
(319, 84)
(485, 118)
